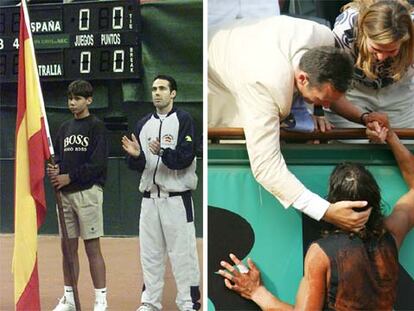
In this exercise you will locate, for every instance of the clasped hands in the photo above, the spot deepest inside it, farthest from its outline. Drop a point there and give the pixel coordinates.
(377, 127)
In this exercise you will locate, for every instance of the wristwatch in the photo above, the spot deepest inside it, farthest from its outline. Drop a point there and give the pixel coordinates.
(318, 111)
(362, 117)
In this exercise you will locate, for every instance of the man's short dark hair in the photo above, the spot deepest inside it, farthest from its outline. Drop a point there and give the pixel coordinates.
(171, 81)
(353, 182)
(80, 88)
(326, 64)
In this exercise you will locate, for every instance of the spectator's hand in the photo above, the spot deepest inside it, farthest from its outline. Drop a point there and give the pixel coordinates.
(154, 146)
(343, 215)
(375, 136)
(242, 280)
(60, 181)
(52, 170)
(131, 146)
(374, 126)
(380, 117)
(322, 124)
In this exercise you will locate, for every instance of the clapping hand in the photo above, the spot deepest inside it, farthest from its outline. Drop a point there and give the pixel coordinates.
(131, 146)
(154, 146)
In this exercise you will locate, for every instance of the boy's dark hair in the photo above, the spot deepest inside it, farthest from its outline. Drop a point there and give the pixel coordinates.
(80, 88)
(353, 182)
(171, 81)
(326, 64)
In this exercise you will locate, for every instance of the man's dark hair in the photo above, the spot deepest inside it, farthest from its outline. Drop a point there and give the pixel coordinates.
(353, 182)
(80, 88)
(171, 81)
(326, 64)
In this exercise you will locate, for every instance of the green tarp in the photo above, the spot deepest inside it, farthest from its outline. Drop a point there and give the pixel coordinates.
(278, 232)
(172, 43)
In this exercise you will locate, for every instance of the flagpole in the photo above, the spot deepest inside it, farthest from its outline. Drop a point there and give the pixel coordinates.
(66, 248)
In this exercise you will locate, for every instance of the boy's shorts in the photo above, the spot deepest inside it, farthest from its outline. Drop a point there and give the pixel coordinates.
(83, 213)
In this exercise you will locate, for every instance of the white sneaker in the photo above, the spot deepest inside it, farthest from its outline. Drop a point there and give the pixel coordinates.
(147, 307)
(64, 305)
(100, 306)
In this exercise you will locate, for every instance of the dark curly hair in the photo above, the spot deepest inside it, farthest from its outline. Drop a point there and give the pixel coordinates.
(353, 182)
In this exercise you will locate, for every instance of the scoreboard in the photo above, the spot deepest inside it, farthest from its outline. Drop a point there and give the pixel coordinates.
(79, 40)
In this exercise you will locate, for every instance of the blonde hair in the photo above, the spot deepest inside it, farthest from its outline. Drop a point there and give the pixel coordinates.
(384, 22)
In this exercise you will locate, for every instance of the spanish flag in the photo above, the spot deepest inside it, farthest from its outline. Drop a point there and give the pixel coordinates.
(33, 147)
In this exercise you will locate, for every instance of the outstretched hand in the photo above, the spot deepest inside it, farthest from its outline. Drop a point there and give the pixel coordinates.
(343, 215)
(377, 127)
(377, 137)
(241, 279)
(131, 146)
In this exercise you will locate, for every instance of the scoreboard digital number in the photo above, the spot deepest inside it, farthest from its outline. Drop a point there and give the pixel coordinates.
(87, 40)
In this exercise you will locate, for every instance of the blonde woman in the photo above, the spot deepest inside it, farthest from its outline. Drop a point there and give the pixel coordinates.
(379, 36)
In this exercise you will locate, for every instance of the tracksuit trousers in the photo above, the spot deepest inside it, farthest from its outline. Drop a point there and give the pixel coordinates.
(166, 227)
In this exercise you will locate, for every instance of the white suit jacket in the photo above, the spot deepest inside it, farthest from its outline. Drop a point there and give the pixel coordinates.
(251, 85)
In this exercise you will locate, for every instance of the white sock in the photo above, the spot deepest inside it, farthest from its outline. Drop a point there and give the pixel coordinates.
(69, 294)
(100, 294)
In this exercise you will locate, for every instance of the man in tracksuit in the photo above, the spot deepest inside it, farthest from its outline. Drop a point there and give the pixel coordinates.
(162, 148)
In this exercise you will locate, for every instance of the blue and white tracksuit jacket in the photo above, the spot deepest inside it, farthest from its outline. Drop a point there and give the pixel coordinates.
(167, 213)
(174, 171)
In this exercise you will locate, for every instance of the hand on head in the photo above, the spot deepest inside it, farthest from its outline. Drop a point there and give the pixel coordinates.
(343, 215)
(241, 280)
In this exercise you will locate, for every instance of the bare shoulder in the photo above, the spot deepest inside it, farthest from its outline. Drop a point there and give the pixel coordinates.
(316, 259)
(312, 288)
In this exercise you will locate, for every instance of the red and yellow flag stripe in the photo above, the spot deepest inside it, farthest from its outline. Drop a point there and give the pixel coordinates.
(32, 149)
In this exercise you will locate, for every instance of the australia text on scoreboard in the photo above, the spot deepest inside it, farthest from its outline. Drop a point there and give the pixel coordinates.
(89, 40)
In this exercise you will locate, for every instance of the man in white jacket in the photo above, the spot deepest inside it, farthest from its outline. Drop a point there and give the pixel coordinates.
(162, 150)
(255, 70)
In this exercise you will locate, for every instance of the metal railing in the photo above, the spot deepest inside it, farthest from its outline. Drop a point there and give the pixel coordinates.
(217, 134)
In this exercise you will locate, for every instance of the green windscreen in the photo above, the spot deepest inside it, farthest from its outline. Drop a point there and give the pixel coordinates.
(278, 241)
